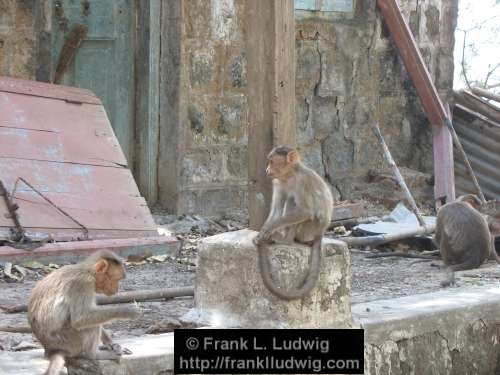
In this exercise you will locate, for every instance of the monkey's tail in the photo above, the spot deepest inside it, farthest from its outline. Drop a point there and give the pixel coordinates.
(56, 365)
(309, 282)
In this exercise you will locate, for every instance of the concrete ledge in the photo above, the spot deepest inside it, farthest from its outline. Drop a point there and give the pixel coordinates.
(153, 355)
(75, 250)
(447, 332)
(229, 286)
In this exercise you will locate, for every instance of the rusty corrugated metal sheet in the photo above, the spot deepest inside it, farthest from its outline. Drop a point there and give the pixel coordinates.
(481, 141)
(59, 139)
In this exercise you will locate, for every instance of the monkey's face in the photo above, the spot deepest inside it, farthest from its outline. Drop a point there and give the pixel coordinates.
(108, 282)
(277, 166)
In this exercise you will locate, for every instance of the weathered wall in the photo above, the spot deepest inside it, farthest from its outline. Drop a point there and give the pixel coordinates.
(211, 133)
(348, 75)
(451, 331)
(17, 38)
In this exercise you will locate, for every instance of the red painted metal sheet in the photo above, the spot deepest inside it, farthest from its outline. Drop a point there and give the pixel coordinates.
(47, 90)
(68, 152)
(47, 129)
(67, 251)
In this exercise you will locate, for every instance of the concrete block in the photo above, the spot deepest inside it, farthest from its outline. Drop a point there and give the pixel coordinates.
(229, 288)
(452, 331)
(152, 355)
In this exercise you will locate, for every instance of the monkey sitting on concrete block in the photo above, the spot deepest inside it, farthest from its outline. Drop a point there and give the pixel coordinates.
(463, 236)
(64, 316)
(301, 210)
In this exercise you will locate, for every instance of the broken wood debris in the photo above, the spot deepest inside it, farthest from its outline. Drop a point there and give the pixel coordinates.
(124, 297)
(24, 328)
(381, 239)
(18, 231)
(397, 174)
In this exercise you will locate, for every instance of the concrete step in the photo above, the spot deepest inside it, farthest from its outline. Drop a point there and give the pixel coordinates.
(152, 355)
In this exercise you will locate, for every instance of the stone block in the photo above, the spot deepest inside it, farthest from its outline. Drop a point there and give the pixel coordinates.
(202, 166)
(202, 67)
(229, 288)
(212, 200)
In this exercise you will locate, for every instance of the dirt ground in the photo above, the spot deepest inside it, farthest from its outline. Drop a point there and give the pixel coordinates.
(372, 278)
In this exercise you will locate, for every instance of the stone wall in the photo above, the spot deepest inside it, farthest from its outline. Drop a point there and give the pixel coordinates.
(348, 75)
(17, 38)
(212, 134)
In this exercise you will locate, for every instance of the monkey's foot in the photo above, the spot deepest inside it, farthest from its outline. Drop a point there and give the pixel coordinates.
(118, 349)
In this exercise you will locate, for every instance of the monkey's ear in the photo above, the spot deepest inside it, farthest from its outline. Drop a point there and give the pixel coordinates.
(101, 266)
(292, 157)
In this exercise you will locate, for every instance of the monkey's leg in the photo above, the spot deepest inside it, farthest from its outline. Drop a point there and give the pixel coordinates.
(472, 262)
(109, 344)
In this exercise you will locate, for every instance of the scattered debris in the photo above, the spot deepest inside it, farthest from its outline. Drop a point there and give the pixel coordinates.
(400, 224)
(397, 174)
(16, 329)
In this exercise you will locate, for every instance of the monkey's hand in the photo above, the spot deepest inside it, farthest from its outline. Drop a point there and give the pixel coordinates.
(262, 237)
(130, 312)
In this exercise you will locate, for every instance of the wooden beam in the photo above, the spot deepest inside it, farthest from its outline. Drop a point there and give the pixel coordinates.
(170, 104)
(431, 102)
(147, 68)
(270, 45)
(444, 167)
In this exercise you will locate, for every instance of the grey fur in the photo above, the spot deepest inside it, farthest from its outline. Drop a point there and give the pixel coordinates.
(64, 316)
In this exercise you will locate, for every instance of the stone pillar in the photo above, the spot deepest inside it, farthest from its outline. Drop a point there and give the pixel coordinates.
(229, 291)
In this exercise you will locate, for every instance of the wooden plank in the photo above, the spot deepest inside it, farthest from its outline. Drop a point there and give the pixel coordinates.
(47, 90)
(64, 235)
(348, 211)
(444, 171)
(82, 127)
(169, 153)
(68, 178)
(270, 43)
(64, 147)
(427, 92)
(111, 213)
(74, 251)
(477, 104)
(147, 62)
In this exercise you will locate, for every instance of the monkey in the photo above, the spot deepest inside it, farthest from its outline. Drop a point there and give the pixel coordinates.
(301, 210)
(64, 316)
(463, 236)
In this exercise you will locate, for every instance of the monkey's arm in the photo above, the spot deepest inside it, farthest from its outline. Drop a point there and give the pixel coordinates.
(292, 217)
(277, 204)
(85, 314)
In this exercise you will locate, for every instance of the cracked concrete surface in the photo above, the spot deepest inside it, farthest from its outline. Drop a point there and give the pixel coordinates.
(444, 332)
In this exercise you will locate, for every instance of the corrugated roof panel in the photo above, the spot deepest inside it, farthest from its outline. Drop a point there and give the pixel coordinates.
(481, 142)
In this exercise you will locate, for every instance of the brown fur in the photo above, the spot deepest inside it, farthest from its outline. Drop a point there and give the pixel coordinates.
(463, 236)
(301, 210)
(63, 314)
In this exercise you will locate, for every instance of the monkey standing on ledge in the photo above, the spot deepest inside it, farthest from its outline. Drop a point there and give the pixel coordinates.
(463, 236)
(301, 210)
(63, 314)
